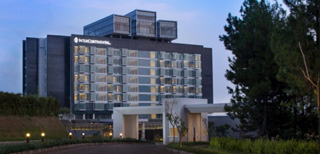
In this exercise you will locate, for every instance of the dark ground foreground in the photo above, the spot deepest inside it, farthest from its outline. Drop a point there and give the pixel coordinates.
(115, 149)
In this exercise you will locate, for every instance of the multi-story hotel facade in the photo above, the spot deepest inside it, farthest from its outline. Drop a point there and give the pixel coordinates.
(119, 61)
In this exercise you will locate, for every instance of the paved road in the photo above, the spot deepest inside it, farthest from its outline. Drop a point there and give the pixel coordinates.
(115, 149)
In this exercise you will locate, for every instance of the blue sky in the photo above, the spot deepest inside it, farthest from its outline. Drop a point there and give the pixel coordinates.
(199, 22)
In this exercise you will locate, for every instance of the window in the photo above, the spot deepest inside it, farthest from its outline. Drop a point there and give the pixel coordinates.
(110, 87)
(101, 51)
(75, 96)
(153, 80)
(101, 60)
(118, 97)
(83, 87)
(152, 72)
(75, 78)
(133, 89)
(162, 80)
(133, 54)
(75, 49)
(102, 97)
(153, 55)
(133, 98)
(75, 87)
(110, 97)
(75, 59)
(161, 63)
(118, 88)
(86, 60)
(133, 71)
(152, 63)
(175, 89)
(102, 88)
(133, 80)
(154, 89)
(133, 62)
(162, 89)
(153, 98)
(83, 96)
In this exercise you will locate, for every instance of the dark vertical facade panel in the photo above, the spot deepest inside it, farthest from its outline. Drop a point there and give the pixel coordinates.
(207, 78)
(31, 53)
(57, 79)
(23, 67)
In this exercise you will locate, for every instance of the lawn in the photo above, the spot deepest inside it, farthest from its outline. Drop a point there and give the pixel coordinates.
(14, 128)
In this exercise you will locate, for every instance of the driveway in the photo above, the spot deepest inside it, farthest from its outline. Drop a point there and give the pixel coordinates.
(115, 149)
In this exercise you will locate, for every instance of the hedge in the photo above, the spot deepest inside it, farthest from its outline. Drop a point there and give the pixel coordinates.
(17, 105)
(263, 146)
(13, 148)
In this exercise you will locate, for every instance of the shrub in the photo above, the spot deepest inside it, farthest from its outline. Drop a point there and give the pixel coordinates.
(263, 146)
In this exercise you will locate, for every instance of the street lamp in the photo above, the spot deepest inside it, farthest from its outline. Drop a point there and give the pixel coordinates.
(110, 135)
(42, 136)
(83, 135)
(121, 135)
(70, 135)
(28, 137)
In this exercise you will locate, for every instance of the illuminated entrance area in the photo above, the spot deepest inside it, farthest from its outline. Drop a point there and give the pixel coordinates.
(192, 111)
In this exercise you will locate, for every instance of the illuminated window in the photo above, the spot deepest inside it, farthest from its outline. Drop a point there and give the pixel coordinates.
(197, 57)
(102, 88)
(197, 65)
(152, 63)
(153, 98)
(75, 97)
(118, 97)
(133, 62)
(86, 60)
(85, 78)
(83, 87)
(83, 96)
(152, 72)
(175, 132)
(133, 71)
(75, 78)
(175, 89)
(153, 81)
(133, 80)
(101, 51)
(185, 63)
(152, 55)
(162, 88)
(134, 89)
(76, 59)
(133, 53)
(110, 87)
(174, 64)
(191, 65)
(154, 89)
(134, 98)
(186, 89)
(161, 63)
(110, 97)
(101, 61)
(75, 87)
(75, 49)
(118, 89)
(86, 50)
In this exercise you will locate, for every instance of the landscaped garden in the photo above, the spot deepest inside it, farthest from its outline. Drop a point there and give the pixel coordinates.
(246, 146)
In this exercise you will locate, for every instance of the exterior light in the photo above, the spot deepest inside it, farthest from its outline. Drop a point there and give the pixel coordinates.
(70, 135)
(83, 135)
(110, 135)
(120, 135)
(42, 136)
(28, 137)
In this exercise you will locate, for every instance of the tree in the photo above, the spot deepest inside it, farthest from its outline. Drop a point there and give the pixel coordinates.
(301, 25)
(182, 129)
(257, 96)
(172, 118)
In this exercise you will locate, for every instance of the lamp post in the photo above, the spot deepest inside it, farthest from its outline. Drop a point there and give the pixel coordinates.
(83, 135)
(121, 135)
(42, 136)
(110, 135)
(70, 135)
(28, 137)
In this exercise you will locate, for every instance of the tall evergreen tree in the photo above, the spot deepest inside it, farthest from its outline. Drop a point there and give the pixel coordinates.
(256, 98)
(300, 26)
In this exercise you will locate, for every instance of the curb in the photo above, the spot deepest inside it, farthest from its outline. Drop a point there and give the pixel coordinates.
(177, 151)
(37, 151)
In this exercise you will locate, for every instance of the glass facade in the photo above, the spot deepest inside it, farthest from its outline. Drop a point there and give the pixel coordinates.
(110, 77)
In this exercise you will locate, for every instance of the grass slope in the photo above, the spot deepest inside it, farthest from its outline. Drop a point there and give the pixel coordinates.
(13, 128)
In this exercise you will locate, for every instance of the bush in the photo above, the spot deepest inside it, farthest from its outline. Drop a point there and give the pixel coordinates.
(263, 146)
(12, 148)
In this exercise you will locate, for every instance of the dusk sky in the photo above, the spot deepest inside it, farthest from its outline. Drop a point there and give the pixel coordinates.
(199, 22)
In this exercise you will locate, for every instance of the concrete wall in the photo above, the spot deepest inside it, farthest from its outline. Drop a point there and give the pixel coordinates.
(130, 126)
(42, 68)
